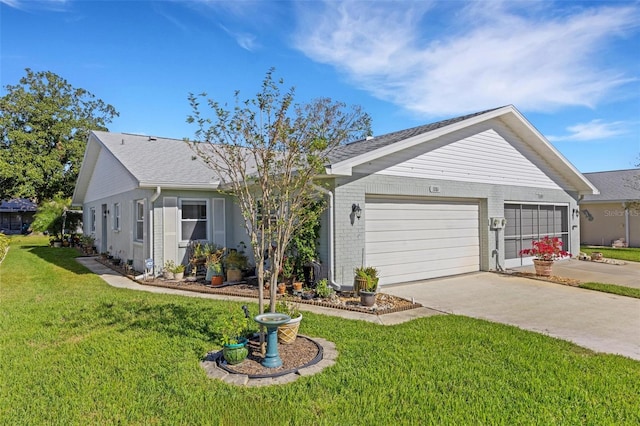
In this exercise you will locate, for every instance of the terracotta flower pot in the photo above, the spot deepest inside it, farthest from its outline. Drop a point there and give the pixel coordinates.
(217, 280)
(282, 288)
(543, 267)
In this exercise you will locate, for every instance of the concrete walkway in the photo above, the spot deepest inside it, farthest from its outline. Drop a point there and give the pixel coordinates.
(599, 321)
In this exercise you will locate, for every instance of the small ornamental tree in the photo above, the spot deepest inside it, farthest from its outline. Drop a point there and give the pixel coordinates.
(268, 153)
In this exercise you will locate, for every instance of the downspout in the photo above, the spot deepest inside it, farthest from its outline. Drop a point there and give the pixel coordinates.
(330, 262)
(152, 200)
(627, 234)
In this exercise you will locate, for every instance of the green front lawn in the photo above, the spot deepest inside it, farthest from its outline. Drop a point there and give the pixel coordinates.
(613, 289)
(76, 351)
(630, 254)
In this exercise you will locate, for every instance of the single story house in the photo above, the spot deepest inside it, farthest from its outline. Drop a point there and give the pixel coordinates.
(613, 216)
(452, 197)
(16, 215)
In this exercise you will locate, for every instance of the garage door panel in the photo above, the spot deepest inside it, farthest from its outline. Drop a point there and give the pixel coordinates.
(412, 215)
(414, 239)
(399, 224)
(394, 274)
(419, 246)
(418, 257)
(413, 235)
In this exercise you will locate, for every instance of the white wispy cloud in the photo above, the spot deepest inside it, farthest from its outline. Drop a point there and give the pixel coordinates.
(54, 5)
(245, 40)
(595, 130)
(441, 60)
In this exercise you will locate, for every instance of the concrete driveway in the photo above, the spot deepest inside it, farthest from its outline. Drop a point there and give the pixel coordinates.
(627, 275)
(595, 320)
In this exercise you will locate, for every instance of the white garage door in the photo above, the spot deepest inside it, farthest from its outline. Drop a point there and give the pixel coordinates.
(414, 239)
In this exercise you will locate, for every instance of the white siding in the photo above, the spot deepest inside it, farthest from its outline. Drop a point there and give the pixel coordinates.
(108, 178)
(484, 157)
(170, 227)
(218, 222)
(410, 239)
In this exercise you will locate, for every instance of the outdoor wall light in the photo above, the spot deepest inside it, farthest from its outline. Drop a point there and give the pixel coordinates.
(355, 209)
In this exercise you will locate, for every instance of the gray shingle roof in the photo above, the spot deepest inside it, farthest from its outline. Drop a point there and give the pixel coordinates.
(158, 161)
(356, 148)
(18, 205)
(616, 185)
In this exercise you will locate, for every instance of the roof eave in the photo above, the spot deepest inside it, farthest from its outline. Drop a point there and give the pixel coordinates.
(173, 185)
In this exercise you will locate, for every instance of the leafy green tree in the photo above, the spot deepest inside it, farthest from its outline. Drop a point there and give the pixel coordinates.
(269, 153)
(44, 126)
(54, 217)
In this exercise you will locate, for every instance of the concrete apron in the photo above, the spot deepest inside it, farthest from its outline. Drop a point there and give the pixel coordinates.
(595, 320)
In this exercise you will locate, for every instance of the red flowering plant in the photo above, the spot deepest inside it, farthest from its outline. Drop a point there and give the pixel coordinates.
(547, 248)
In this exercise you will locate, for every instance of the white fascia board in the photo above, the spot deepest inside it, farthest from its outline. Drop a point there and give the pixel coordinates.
(172, 185)
(345, 167)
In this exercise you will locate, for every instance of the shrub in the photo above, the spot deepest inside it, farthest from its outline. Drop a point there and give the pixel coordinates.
(4, 245)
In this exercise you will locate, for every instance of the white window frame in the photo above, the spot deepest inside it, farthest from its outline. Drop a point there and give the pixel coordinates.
(116, 216)
(92, 220)
(207, 220)
(139, 207)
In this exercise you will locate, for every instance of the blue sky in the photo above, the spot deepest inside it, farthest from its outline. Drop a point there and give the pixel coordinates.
(572, 68)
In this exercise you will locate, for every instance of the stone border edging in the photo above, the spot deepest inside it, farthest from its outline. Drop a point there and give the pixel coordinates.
(329, 356)
(221, 291)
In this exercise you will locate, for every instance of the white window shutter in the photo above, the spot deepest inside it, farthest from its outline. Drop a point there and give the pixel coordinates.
(218, 222)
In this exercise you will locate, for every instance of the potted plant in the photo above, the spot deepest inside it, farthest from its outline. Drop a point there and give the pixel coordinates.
(214, 266)
(322, 290)
(234, 342)
(545, 252)
(178, 272)
(169, 266)
(359, 280)
(288, 332)
(234, 262)
(368, 276)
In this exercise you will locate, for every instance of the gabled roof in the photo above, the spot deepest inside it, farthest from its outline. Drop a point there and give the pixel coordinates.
(345, 158)
(615, 185)
(364, 146)
(151, 162)
(18, 205)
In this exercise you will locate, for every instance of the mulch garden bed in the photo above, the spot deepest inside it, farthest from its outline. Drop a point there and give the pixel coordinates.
(552, 279)
(295, 355)
(385, 303)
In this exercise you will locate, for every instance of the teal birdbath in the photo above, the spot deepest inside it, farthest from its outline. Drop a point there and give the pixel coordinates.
(272, 321)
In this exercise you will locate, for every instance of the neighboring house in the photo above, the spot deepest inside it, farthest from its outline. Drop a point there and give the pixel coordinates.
(16, 215)
(420, 203)
(614, 214)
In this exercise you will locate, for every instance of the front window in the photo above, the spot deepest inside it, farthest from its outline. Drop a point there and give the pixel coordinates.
(193, 221)
(116, 216)
(139, 220)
